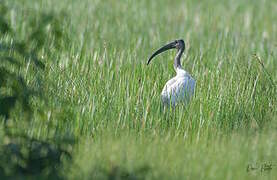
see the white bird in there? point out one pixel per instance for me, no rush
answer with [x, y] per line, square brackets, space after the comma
[181, 87]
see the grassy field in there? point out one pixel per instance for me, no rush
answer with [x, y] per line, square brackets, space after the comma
[98, 101]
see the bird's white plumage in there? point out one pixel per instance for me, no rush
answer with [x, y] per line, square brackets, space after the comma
[178, 89]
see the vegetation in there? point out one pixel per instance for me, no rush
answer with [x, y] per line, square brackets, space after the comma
[77, 100]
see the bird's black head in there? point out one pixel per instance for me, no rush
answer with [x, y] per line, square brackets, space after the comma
[177, 44]
[180, 44]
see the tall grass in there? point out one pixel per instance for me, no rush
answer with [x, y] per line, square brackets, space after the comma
[99, 90]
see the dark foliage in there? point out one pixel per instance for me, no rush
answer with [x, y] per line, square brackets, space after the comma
[121, 173]
[21, 155]
[24, 156]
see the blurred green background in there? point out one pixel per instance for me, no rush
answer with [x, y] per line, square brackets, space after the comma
[77, 100]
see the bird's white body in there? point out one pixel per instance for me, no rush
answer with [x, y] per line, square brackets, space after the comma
[178, 89]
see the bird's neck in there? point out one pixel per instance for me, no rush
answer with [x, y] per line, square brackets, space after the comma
[180, 72]
[177, 60]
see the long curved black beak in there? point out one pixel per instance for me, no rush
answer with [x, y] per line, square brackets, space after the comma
[162, 49]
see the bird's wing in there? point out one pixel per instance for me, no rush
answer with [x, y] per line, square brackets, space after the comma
[185, 87]
[178, 88]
